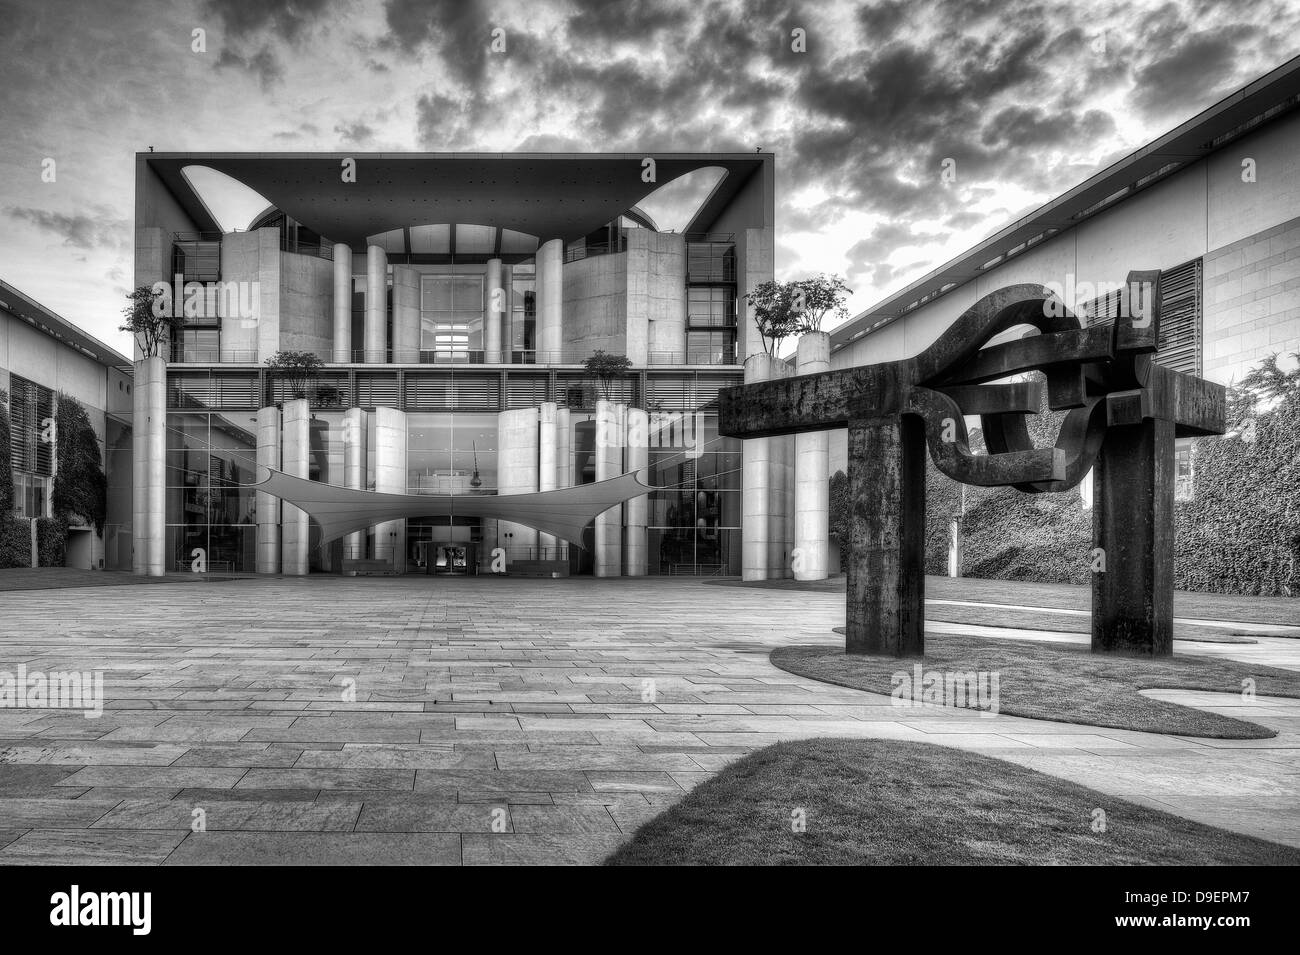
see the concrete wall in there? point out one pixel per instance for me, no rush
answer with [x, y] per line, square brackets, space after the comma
[30, 353]
[306, 304]
[630, 303]
[1252, 301]
[254, 257]
[596, 305]
[656, 306]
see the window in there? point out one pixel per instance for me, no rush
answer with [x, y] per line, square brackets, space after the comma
[197, 345]
[451, 316]
[1179, 344]
[31, 414]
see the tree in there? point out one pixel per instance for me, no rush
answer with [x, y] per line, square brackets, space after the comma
[775, 313]
[80, 486]
[606, 369]
[295, 368]
[152, 319]
[817, 297]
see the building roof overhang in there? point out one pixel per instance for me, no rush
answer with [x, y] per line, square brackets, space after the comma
[547, 195]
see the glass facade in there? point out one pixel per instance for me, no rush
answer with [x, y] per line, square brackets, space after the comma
[451, 315]
[211, 458]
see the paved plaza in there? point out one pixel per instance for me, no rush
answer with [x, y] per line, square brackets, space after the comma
[485, 720]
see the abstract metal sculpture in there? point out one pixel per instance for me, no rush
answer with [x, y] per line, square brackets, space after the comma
[562, 513]
[1123, 413]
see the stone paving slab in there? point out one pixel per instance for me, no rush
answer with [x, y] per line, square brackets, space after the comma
[500, 721]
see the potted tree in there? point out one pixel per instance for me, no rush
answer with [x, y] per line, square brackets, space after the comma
[295, 369]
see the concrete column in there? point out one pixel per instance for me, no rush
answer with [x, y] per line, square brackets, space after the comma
[638, 508]
[354, 473]
[610, 422]
[390, 478]
[406, 315]
[139, 468]
[563, 448]
[268, 505]
[376, 337]
[295, 448]
[156, 475]
[764, 489]
[516, 473]
[550, 300]
[546, 464]
[149, 467]
[812, 473]
[342, 302]
[495, 314]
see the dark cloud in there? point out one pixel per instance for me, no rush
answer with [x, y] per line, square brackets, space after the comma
[287, 19]
[1196, 70]
[262, 65]
[354, 133]
[97, 230]
[301, 130]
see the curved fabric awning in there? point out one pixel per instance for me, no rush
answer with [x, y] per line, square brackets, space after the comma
[562, 513]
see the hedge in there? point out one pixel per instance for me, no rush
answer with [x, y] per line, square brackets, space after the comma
[51, 541]
[15, 542]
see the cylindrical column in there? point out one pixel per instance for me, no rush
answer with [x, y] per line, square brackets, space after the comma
[546, 466]
[390, 478]
[638, 508]
[354, 473]
[755, 486]
[609, 464]
[550, 301]
[406, 315]
[156, 476]
[139, 468]
[342, 302]
[376, 337]
[268, 505]
[295, 445]
[812, 474]
[494, 314]
[563, 448]
[517, 474]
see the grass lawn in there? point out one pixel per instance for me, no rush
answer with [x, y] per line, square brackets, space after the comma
[1064, 682]
[886, 802]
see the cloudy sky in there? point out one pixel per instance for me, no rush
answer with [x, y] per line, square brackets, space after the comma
[1029, 97]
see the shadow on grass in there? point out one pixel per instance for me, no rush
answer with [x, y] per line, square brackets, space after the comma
[887, 802]
[1063, 682]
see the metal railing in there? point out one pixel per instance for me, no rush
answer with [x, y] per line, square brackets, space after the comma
[595, 248]
[215, 355]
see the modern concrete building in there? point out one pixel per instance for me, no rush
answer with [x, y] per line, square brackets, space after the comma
[452, 300]
[1214, 203]
[42, 356]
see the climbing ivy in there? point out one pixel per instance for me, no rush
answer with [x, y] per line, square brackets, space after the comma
[80, 487]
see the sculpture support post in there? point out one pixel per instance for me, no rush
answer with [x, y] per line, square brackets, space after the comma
[1133, 525]
[886, 568]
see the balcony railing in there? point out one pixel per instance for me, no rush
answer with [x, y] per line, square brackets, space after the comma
[595, 248]
[219, 356]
